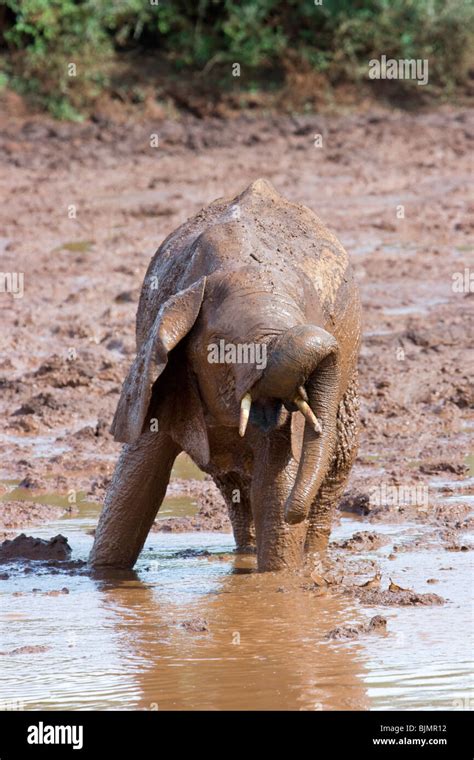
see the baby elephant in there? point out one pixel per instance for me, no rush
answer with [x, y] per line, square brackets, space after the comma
[248, 332]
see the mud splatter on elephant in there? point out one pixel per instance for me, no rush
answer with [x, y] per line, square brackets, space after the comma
[248, 331]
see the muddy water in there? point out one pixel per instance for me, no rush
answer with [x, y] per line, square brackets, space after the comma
[201, 630]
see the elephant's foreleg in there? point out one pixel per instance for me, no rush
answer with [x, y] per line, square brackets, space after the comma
[133, 499]
[322, 509]
[236, 492]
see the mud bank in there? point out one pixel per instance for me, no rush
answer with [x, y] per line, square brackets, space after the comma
[67, 343]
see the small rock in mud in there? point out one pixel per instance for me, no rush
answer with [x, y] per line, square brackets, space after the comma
[26, 650]
[431, 468]
[188, 553]
[34, 483]
[343, 633]
[37, 404]
[432, 580]
[70, 567]
[377, 624]
[126, 296]
[62, 374]
[28, 547]
[57, 592]
[101, 428]
[361, 541]
[85, 432]
[356, 502]
[196, 625]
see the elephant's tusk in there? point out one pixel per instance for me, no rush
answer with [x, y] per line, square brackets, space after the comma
[245, 405]
[302, 392]
[308, 414]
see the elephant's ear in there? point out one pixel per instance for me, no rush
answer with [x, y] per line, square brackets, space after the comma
[173, 322]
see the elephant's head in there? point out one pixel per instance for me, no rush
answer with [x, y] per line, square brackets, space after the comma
[294, 367]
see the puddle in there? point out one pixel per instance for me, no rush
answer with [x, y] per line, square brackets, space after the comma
[458, 499]
[194, 627]
[449, 484]
[75, 246]
[185, 468]
[121, 644]
[38, 446]
[418, 308]
[377, 333]
[86, 512]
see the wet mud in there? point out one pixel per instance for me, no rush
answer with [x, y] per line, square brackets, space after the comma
[377, 624]
[27, 547]
[192, 606]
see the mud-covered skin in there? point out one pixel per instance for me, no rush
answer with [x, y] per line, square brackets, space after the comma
[254, 270]
[321, 513]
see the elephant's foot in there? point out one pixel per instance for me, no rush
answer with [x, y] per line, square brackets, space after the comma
[246, 549]
[244, 531]
[280, 547]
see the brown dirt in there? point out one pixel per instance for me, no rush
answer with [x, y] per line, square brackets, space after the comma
[28, 547]
[361, 541]
[67, 344]
[403, 598]
[195, 625]
[377, 624]
[14, 514]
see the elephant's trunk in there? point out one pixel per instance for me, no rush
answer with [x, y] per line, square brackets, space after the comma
[307, 356]
[318, 448]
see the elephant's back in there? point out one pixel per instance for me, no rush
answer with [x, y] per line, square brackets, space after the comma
[259, 226]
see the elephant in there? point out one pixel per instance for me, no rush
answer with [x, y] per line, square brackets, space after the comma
[248, 333]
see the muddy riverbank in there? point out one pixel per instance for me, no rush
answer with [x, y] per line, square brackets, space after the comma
[85, 208]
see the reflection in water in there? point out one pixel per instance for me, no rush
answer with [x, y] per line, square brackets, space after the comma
[263, 649]
[118, 641]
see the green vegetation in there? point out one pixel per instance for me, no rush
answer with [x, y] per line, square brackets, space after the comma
[39, 38]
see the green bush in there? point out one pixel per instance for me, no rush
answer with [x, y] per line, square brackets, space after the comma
[337, 38]
[47, 36]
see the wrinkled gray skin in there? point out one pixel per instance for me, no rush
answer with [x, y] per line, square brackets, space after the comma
[256, 269]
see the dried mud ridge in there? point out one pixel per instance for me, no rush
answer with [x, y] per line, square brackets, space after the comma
[67, 344]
